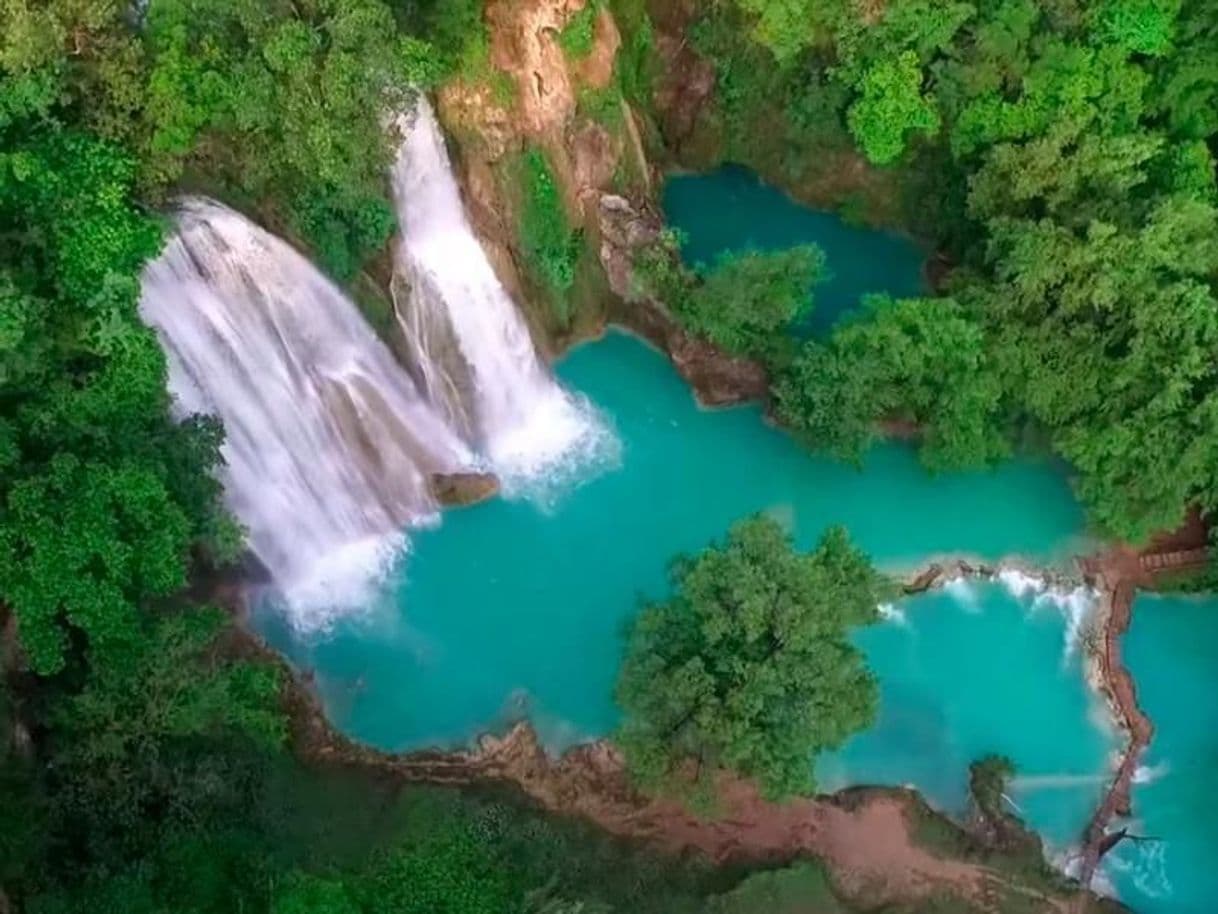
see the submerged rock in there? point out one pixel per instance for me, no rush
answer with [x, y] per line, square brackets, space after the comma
[460, 490]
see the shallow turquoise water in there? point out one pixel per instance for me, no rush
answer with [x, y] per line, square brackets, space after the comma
[731, 209]
[980, 669]
[510, 609]
[1172, 651]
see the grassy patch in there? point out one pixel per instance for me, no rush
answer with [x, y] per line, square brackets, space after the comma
[503, 89]
[340, 820]
[802, 888]
[939, 835]
[635, 59]
[579, 34]
[552, 247]
[603, 106]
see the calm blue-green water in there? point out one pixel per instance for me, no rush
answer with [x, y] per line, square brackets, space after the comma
[1172, 651]
[509, 609]
[978, 669]
[731, 209]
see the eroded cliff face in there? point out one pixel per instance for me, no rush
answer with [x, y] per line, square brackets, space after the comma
[537, 96]
[530, 100]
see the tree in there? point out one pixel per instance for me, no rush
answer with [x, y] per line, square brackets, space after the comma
[1138, 26]
[1080, 185]
[923, 360]
[1187, 84]
[127, 743]
[101, 494]
[747, 299]
[448, 872]
[286, 99]
[890, 108]
[786, 27]
[303, 893]
[748, 666]
[746, 302]
[552, 245]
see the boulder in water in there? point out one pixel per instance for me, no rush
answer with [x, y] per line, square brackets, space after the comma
[460, 490]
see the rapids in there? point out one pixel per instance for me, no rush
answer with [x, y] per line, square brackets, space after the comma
[329, 446]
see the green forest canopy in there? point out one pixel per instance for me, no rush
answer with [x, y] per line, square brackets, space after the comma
[1061, 156]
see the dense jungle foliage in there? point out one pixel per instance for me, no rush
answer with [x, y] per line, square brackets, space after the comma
[1059, 154]
[143, 759]
[748, 666]
[1059, 157]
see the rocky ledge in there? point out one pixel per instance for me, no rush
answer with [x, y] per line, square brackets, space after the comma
[460, 490]
[882, 846]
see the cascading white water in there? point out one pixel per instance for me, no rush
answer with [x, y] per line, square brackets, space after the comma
[471, 351]
[1076, 604]
[329, 445]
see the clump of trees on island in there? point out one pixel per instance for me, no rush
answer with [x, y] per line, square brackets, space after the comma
[748, 667]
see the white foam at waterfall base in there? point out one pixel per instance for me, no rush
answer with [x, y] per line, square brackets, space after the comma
[329, 447]
[890, 612]
[348, 578]
[1075, 604]
[538, 438]
[1020, 583]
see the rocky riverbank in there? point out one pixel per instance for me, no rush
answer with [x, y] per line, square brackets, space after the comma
[1118, 574]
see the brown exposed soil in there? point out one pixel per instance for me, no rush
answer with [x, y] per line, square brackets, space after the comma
[524, 45]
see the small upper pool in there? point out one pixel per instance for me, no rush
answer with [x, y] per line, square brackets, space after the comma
[731, 209]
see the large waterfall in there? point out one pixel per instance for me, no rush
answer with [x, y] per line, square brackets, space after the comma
[329, 447]
[467, 344]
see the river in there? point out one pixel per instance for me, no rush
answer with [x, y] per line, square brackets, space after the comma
[516, 608]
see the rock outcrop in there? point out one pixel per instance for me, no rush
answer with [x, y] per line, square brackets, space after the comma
[588, 158]
[717, 378]
[460, 490]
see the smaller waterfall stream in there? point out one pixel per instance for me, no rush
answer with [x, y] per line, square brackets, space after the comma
[329, 446]
[470, 350]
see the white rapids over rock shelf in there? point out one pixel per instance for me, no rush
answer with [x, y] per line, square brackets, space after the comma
[466, 342]
[329, 445]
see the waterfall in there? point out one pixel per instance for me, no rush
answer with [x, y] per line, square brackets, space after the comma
[329, 445]
[468, 347]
